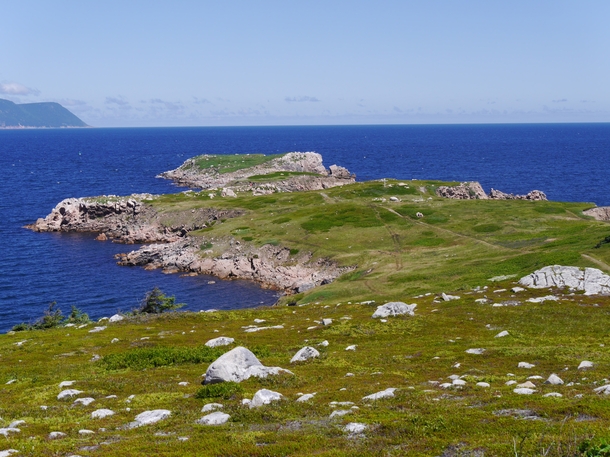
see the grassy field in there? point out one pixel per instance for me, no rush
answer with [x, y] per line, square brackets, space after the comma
[456, 248]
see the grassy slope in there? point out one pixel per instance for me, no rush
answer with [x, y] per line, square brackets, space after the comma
[456, 245]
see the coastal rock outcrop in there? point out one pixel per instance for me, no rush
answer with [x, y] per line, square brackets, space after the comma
[269, 265]
[316, 176]
[600, 213]
[124, 219]
[472, 190]
[590, 280]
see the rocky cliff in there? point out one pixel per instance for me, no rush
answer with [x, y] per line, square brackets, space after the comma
[472, 190]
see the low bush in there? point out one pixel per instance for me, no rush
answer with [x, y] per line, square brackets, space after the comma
[225, 390]
[160, 356]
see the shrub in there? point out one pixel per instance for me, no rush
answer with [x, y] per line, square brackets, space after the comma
[160, 356]
[224, 390]
[156, 302]
[53, 318]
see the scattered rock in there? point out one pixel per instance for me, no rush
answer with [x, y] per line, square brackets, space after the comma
[8, 452]
[340, 413]
[553, 394]
[264, 397]
[149, 417]
[354, 428]
[527, 385]
[305, 397]
[238, 365]
[86, 432]
[554, 380]
[483, 384]
[220, 341]
[585, 364]
[56, 435]
[387, 393]
[542, 299]
[501, 334]
[101, 413]
[524, 391]
[446, 297]
[215, 418]
[327, 321]
[84, 401]
[304, 354]
[116, 318]
[603, 389]
[517, 289]
[394, 309]
[8, 430]
[97, 329]
[518, 413]
[525, 365]
[65, 394]
[351, 348]
[211, 407]
[324, 343]
[476, 351]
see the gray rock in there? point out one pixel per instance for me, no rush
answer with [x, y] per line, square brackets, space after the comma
[524, 391]
[525, 365]
[395, 308]
[102, 413]
[84, 401]
[502, 334]
[305, 397]
[475, 351]
[215, 418]
[238, 365]
[304, 354]
[211, 407]
[65, 394]
[8, 430]
[590, 280]
[447, 297]
[603, 389]
[264, 397]
[340, 413]
[66, 384]
[116, 318]
[220, 341]
[8, 452]
[150, 417]
[354, 428]
[554, 380]
[56, 435]
[585, 364]
[387, 393]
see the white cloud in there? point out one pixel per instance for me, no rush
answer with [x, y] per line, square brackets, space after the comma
[17, 89]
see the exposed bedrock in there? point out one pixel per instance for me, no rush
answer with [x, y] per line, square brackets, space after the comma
[123, 219]
[271, 266]
[601, 213]
[472, 190]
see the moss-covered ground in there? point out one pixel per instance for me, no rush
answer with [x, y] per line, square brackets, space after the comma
[456, 247]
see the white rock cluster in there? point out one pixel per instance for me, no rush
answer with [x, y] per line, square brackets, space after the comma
[590, 280]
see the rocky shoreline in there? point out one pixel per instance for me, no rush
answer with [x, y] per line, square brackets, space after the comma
[472, 190]
[168, 245]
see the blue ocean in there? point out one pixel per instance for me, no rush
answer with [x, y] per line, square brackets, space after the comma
[569, 162]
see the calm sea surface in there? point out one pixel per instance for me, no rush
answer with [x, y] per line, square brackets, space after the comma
[569, 162]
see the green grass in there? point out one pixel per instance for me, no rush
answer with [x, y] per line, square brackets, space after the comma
[455, 247]
[230, 163]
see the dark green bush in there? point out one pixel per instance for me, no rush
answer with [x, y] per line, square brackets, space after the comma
[160, 356]
[225, 390]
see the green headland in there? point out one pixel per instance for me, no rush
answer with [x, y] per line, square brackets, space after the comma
[458, 365]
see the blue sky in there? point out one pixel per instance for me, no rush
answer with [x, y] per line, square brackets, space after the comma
[180, 63]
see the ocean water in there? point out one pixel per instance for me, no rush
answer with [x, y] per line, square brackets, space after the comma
[570, 162]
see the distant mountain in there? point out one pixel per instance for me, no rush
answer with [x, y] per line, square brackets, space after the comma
[49, 115]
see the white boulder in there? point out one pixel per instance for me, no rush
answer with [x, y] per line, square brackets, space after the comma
[585, 364]
[305, 397]
[116, 318]
[524, 391]
[150, 417]
[211, 407]
[525, 365]
[475, 351]
[220, 341]
[554, 380]
[501, 334]
[264, 397]
[238, 365]
[354, 428]
[304, 354]
[65, 394]
[388, 393]
[395, 308]
[102, 413]
[215, 418]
